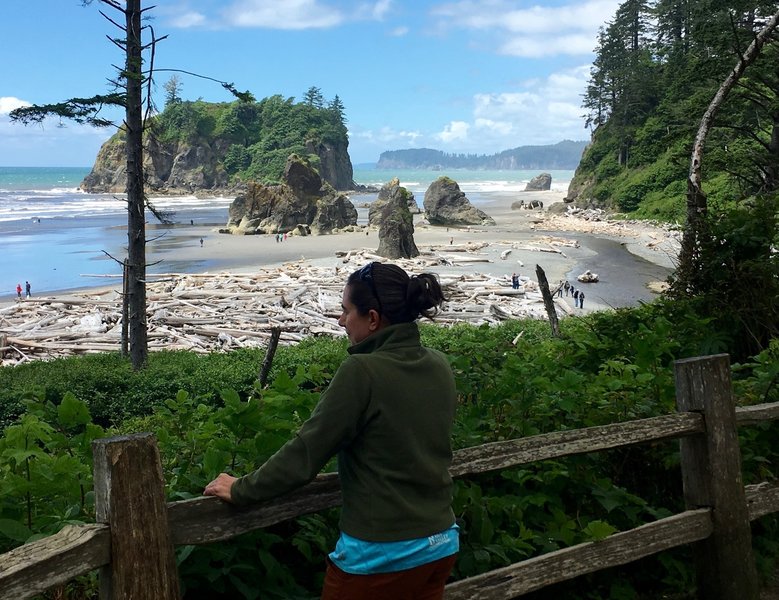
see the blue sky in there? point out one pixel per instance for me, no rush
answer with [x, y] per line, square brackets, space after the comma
[473, 76]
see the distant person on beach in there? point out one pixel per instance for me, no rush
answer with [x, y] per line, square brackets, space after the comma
[387, 414]
[581, 299]
[27, 288]
[566, 287]
[560, 291]
[201, 242]
[192, 221]
[514, 281]
[576, 299]
[19, 290]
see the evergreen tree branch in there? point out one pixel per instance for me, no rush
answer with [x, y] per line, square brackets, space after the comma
[80, 110]
[246, 96]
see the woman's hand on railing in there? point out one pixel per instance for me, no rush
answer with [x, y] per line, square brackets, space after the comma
[220, 487]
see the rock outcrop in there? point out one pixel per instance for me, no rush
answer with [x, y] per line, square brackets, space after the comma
[539, 183]
[396, 227]
[183, 168]
[387, 193]
[302, 203]
[445, 204]
[335, 166]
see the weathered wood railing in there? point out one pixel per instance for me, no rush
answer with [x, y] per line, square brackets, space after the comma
[136, 531]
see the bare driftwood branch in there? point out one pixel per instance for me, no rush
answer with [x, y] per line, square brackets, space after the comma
[269, 354]
[548, 301]
[220, 311]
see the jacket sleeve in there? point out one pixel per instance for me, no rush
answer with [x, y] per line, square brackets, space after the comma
[335, 422]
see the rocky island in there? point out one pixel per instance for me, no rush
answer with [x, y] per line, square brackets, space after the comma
[205, 148]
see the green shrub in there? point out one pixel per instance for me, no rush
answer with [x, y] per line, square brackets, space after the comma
[513, 380]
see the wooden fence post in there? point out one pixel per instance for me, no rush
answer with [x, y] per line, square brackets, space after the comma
[130, 499]
[711, 473]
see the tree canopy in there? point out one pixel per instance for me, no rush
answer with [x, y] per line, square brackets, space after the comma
[658, 64]
[258, 136]
[665, 71]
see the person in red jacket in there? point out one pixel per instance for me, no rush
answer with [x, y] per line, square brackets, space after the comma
[387, 414]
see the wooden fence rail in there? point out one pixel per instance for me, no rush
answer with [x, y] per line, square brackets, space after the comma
[138, 531]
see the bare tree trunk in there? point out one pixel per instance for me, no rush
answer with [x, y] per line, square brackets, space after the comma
[697, 206]
[136, 218]
[275, 334]
[125, 310]
[548, 301]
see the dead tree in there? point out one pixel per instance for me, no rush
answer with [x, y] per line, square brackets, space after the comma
[543, 285]
[697, 206]
[136, 217]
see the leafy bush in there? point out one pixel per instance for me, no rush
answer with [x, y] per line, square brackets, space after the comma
[513, 380]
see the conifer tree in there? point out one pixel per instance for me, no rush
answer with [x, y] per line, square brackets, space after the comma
[128, 94]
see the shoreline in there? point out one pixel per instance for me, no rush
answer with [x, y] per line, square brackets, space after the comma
[529, 236]
[254, 283]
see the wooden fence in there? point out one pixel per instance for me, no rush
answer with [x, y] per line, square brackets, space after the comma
[136, 530]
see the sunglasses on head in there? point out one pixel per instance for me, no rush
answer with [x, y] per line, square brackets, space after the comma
[366, 274]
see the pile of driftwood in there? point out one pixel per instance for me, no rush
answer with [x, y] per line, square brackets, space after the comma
[221, 311]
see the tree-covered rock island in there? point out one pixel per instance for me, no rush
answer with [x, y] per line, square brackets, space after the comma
[198, 146]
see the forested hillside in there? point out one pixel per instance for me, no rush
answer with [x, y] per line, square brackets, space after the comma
[659, 63]
[659, 67]
[205, 145]
[563, 155]
[259, 136]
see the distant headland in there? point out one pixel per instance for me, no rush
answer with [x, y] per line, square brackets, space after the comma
[563, 155]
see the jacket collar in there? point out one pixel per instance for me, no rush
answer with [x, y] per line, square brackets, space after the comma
[392, 336]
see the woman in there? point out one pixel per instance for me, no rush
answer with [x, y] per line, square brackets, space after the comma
[388, 415]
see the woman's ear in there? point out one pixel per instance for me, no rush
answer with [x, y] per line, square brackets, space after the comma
[374, 322]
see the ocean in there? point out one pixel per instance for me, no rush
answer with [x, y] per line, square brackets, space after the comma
[57, 237]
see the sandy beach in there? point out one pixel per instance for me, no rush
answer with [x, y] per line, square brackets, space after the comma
[255, 283]
[631, 259]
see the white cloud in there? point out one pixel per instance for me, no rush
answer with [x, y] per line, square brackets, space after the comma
[274, 14]
[546, 111]
[290, 14]
[455, 130]
[380, 9]
[498, 127]
[530, 32]
[399, 31]
[541, 111]
[188, 19]
[9, 103]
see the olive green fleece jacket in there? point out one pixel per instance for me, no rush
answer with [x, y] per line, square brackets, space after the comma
[388, 414]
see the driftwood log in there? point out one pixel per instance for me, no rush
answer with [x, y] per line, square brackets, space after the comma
[222, 311]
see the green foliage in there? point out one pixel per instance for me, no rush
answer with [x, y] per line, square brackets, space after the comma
[657, 68]
[237, 158]
[46, 468]
[737, 277]
[255, 138]
[513, 380]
